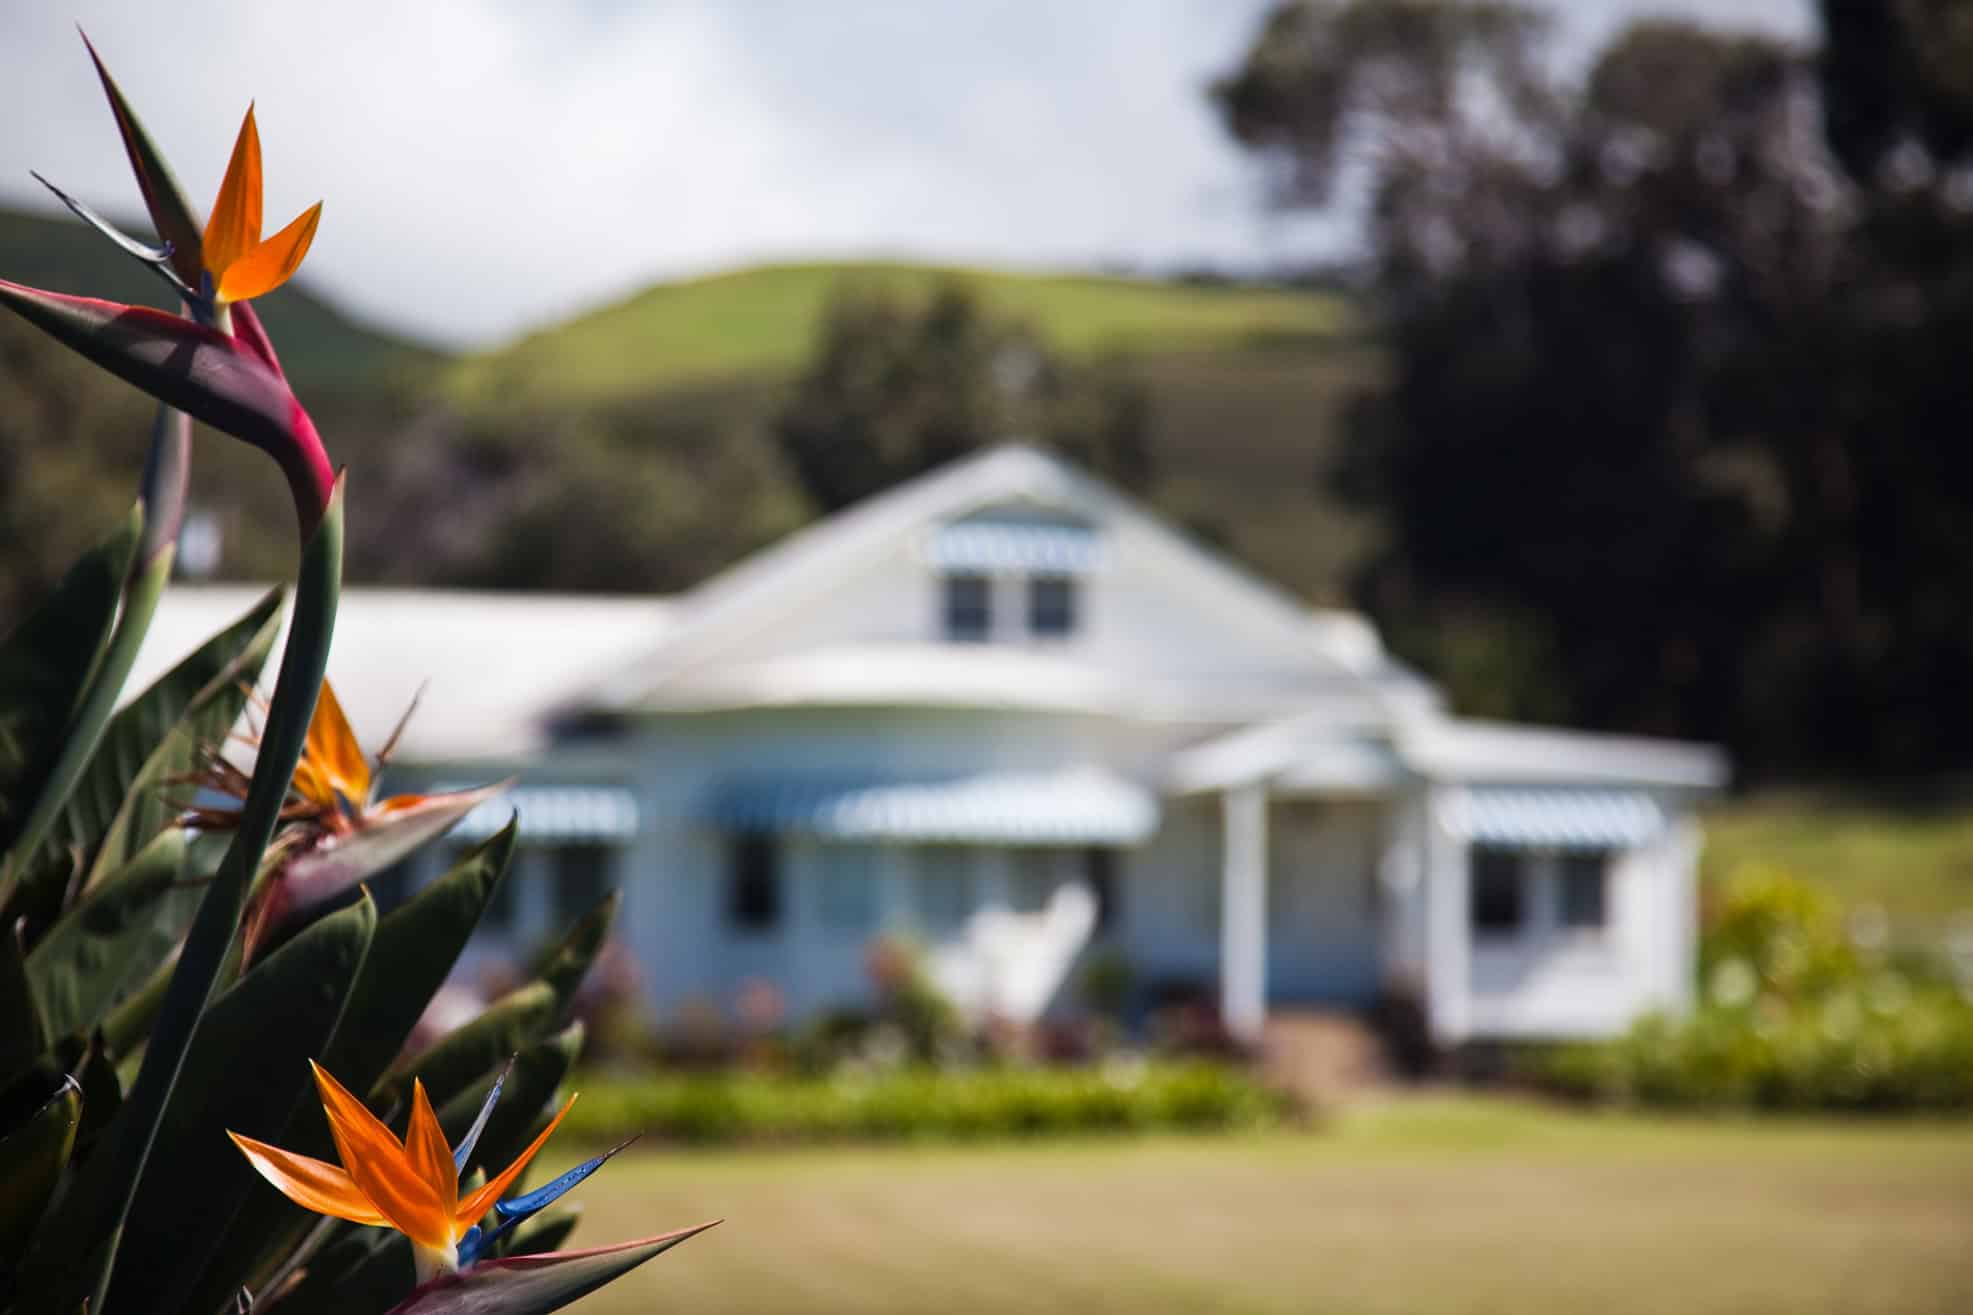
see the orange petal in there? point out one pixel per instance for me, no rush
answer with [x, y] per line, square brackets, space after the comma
[482, 1201]
[311, 785]
[273, 262]
[234, 227]
[379, 1167]
[425, 1148]
[333, 750]
[310, 1183]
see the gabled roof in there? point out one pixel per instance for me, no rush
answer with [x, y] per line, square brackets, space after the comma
[975, 676]
[1326, 747]
[715, 620]
[490, 664]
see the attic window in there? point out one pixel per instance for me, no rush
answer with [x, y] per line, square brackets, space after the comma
[968, 607]
[1051, 606]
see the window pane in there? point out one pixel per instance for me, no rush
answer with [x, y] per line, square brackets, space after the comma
[968, 607]
[753, 890]
[582, 878]
[942, 888]
[846, 888]
[1498, 896]
[1051, 605]
[1032, 882]
[1584, 889]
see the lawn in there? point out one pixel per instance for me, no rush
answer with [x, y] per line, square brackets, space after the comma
[1911, 857]
[1423, 1205]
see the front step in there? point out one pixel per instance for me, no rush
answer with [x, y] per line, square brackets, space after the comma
[1322, 1056]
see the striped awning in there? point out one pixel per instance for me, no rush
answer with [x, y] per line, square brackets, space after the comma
[557, 814]
[1531, 818]
[992, 545]
[1087, 807]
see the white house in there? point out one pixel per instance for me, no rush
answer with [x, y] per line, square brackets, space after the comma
[1010, 712]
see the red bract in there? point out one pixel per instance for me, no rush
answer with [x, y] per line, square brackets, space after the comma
[232, 383]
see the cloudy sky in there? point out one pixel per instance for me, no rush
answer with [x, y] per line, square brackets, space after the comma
[490, 165]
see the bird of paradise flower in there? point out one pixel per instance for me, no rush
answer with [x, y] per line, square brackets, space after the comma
[340, 832]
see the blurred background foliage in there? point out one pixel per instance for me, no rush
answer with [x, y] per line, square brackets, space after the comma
[1641, 408]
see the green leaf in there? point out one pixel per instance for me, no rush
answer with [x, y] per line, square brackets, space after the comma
[510, 1023]
[75, 1246]
[247, 1072]
[45, 666]
[102, 1093]
[568, 963]
[141, 593]
[126, 1026]
[538, 1073]
[331, 1252]
[412, 953]
[23, 1025]
[112, 939]
[534, 1285]
[417, 945]
[32, 1157]
[155, 736]
[358, 1276]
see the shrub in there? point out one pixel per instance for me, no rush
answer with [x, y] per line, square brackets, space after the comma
[924, 1103]
[1792, 1017]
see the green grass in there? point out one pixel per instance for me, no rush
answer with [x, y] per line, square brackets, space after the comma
[761, 321]
[1914, 859]
[1446, 1206]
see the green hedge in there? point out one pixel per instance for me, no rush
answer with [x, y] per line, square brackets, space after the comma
[1794, 1016]
[1917, 1057]
[921, 1103]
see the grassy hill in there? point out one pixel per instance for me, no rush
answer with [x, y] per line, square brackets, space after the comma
[1245, 382]
[634, 442]
[761, 320]
[321, 347]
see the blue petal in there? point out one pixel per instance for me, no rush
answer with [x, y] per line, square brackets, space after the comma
[521, 1207]
[471, 1245]
[464, 1150]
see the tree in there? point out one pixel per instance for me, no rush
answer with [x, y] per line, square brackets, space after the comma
[1676, 414]
[897, 386]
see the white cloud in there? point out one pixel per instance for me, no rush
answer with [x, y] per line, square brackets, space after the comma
[487, 165]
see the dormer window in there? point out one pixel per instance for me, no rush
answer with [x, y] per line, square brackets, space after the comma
[1051, 606]
[968, 607]
[1012, 573]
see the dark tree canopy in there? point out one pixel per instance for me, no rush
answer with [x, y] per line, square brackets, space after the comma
[897, 386]
[1674, 435]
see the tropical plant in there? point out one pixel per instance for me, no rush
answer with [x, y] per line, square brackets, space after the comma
[159, 995]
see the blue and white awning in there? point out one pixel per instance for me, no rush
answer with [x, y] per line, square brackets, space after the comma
[1086, 807]
[557, 814]
[990, 546]
[1531, 818]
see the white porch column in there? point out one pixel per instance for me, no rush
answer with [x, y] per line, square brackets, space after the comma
[1243, 913]
[1448, 920]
